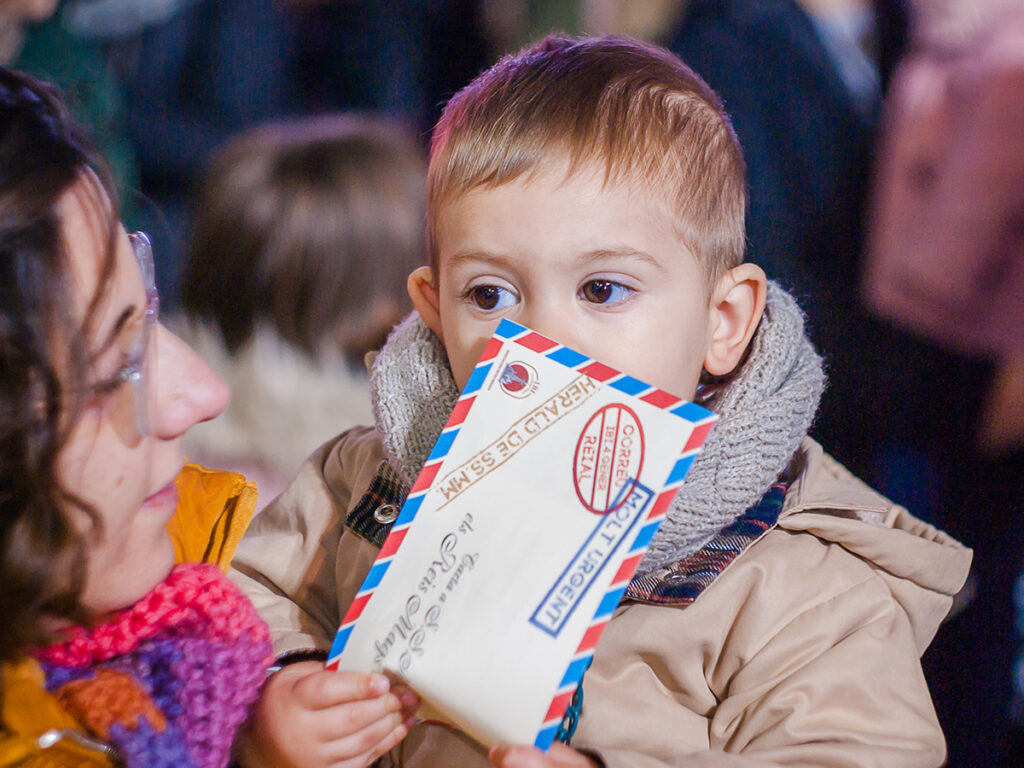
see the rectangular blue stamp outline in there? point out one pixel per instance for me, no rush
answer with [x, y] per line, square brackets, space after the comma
[555, 630]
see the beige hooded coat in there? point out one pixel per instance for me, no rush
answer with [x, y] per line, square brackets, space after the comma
[803, 652]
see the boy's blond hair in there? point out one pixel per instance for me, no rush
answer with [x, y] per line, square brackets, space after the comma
[632, 107]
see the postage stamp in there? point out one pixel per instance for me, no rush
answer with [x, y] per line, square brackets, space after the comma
[609, 457]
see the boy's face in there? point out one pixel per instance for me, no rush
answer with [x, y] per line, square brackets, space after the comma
[596, 267]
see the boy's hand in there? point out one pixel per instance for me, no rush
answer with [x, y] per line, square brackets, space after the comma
[309, 717]
[559, 756]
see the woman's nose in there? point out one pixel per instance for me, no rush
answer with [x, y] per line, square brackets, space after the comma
[186, 390]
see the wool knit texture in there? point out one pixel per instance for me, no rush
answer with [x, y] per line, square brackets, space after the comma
[168, 681]
[765, 410]
[412, 392]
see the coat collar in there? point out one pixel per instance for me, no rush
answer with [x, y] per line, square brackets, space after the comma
[214, 509]
[681, 582]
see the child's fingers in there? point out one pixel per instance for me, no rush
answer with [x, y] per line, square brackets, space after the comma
[410, 701]
[343, 721]
[569, 757]
[560, 756]
[328, 689]
[359, 719]
[505, 756]
[393, 739]
[366, 745]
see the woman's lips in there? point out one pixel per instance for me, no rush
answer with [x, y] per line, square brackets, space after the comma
[166, 496]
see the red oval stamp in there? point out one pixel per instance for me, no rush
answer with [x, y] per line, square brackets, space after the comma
[518, 379]
[609, 457]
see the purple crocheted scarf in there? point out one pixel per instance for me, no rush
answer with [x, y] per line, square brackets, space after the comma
[168, 681]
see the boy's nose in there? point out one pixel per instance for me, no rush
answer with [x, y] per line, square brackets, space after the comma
[552, 322]
[186, 390]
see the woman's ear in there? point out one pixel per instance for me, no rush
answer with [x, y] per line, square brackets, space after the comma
[737, 304]
[423, 292]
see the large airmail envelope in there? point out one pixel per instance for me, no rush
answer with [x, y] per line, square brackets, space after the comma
[520, 536]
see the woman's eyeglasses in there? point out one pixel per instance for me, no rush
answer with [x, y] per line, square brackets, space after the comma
[136, 366]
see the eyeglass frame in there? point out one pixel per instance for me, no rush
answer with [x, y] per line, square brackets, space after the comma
[135, 369]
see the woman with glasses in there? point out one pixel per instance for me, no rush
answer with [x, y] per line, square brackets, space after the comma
[121, 641]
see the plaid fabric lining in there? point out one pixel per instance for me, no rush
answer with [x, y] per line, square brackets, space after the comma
[683, 582]
[386, 489]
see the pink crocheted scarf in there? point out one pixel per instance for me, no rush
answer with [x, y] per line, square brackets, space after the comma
[168, 681]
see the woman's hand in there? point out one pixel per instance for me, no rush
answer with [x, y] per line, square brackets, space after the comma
[308, 717]
[559, 756]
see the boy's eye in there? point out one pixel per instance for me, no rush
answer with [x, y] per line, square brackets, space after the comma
[604, 292]
[491, 297]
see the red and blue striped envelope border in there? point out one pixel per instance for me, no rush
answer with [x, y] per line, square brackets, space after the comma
[701, 419]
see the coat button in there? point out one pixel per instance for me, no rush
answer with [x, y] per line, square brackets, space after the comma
[385, 513]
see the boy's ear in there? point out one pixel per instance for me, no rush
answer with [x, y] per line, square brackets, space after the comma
[423, 293]
[736, 307]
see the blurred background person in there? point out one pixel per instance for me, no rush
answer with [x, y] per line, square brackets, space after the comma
[14, 15]
[304, 234]
[36, 39]
[219, 67]
[946, 260]
[805, 83]
[164, 83]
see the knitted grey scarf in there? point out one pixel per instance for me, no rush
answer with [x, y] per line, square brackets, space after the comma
[764, 412]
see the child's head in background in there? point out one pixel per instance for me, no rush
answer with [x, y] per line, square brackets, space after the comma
[592, 190]
[309, 226]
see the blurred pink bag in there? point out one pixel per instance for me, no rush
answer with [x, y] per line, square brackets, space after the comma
[946, 243]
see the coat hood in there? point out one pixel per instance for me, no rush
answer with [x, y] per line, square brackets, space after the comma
[922, 566]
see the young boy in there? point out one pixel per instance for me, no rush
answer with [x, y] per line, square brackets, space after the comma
[593, 190]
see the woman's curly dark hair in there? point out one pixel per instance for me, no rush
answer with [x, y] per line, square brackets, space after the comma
[43, 358]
